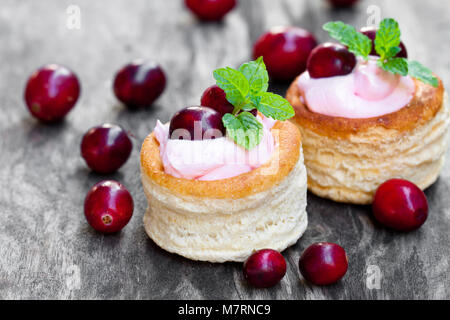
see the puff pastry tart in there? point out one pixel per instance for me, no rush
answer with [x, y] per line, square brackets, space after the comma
[219, 199]
[367, 125]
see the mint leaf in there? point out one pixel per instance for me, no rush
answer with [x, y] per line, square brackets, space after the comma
[356, 42]
[387, 40]
[339, 31]
[244, 129]
[235, 85]
[395, 66]
[257, 76]
[387, 46]
[392, 52]
[422, 73]
[273, 106]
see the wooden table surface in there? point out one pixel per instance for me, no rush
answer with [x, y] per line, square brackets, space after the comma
[47, 249]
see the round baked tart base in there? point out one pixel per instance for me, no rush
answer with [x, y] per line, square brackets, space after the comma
[227, 220]
[348, 159]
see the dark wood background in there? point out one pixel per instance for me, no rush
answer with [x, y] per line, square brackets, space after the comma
[47, 250]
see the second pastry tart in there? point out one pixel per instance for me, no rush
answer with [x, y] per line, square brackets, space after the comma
[219, 197]
[366, 118]
[347, 159]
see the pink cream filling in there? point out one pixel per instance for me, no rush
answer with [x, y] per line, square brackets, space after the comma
[214, 159]
[367, 92]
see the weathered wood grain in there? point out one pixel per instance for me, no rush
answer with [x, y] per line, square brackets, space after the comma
[47, 250]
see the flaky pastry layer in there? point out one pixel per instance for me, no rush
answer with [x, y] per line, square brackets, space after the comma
[226, 220]
[219, 230]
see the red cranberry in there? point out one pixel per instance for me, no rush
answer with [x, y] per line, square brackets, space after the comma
[51, 92]
[400, 205]
[371, 33]
[285, 51]
[210, 10]
[343, 3]
[139, 84]
[215, 98]
[106, 148]
[196, 123]
[108, 206]
[265, 268]
[330, 60]
[323, 263]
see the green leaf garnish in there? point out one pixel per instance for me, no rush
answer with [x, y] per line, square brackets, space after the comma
[387, 46]
[396, 66]
[246, 90]
[387, 40]
[234, 84]
[422, 73]
[356, 42]
[244, 129]
[273, 106]
[257, 75]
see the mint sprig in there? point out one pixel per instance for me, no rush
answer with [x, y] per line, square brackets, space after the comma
[387, 40]
[246, 89]
[244, 129]
[257, 76]
[387, 46]
[356, 42]
[235, 85]
[395, 66]
[422, 73]
[270, 105]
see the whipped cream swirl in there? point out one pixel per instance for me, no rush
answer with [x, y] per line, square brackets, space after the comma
[213, 159]
[367, 92]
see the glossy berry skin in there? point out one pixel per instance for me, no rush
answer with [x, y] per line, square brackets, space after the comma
[215, 98]
[330, 60]
[343, 3]
[285, 51]
[106, 148]
[108, 206]
[198, 123]
[210, 10]
[139, 84]
[265, 268]
[400, 205]
[323, 263]
[371, 33]
[51, 92]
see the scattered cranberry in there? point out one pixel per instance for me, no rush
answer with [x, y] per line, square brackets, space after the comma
[343, 3]
[400, 205]
[323, 263]
[106, 148]
[196, 123]
[108, 206]
[330, 60]
[139, 84]
[210, 10]
[265, 268]
[285, 51]
[51, 92]
[371, 32]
